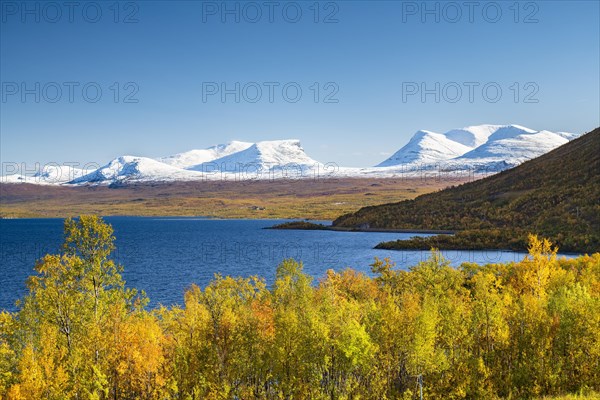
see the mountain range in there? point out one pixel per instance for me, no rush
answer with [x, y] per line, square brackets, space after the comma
[555, 195]
[511, 144]
[480, 149]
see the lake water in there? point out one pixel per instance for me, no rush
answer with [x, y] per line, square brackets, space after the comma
[163, 256]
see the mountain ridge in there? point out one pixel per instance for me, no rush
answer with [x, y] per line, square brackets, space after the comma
[265, 154]
[478, 143]
[478, 149]
[556, 195]
[191, 158]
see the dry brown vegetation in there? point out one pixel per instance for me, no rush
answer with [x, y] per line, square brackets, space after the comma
[313, 199]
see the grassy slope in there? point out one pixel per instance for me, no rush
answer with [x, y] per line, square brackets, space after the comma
[556, 195]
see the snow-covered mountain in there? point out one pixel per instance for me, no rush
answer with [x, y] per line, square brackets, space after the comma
[237, 161]
[426, 147]
[192, 158]
[262, 156]
[472, 136]
[489, 147]
[514, 146]
[478, 149]
[139, 169]
[48, 175]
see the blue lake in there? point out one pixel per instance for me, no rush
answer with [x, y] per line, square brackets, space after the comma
[164, 256]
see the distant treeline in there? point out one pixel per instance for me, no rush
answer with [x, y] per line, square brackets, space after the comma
[300, 225]
[489, 239]
[517, 330]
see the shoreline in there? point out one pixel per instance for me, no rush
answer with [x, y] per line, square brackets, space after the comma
[162, 216]
[384, 230]
[307, 225]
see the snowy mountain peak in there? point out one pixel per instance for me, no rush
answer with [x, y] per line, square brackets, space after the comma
[421, 133]
[58, 173]
[192, 158]
[478, 144]
[426, 147]
[48, 174]
[510, 131]
[263, 155]
[126, 168]
[514, 145]
[472, 136]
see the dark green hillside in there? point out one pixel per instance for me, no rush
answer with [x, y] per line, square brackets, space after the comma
[556, 195]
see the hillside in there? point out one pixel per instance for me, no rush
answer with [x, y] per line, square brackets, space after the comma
[556, 195]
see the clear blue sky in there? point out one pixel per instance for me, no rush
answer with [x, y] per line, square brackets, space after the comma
[371, 52]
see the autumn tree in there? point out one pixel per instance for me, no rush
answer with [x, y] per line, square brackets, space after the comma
[68, 325]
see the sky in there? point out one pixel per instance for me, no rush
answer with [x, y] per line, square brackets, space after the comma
[353, 80]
